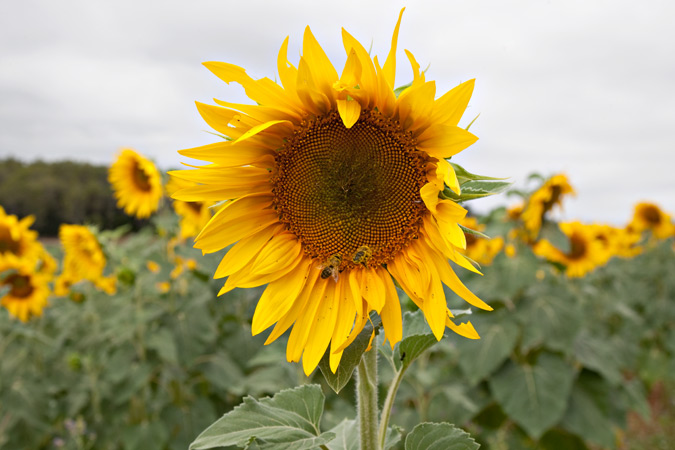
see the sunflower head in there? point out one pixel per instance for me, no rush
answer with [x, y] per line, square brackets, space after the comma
[16, 237]
[137, 184]
[550, 194]
[335, 174]
[585, 253]
[648, 216]
[27, 290]
[83, 259]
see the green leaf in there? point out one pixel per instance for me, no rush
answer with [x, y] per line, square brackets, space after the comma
[476, 189]
[163, 343]
[534, 396]
[439, 436]
[417, 337]
[289, 420]
[464, 175]
[347, 436]
[350, 358]
[590, 409]
[601, 355]
[560, 440]
[550, 320]
[498, 336]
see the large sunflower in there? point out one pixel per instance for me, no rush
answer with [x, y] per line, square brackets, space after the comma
[335, 185]
[28, 289]
[137, 184]
[542, 201]
[648, 216]
[585, 254]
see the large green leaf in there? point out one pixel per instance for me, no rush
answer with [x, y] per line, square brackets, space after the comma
[289, 420]
[590, 410]
[464, 175]
[603, 355]
[498, 336]
[549, 320]
[350, 358]
[535, 396]
[439, 436]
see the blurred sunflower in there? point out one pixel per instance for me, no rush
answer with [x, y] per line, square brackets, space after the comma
[137, 184]
[585, 254]
[478, 249]
[617, 241]
[194, 215]
[542, 201]
[648, 216]
[28, 290]
[16, 237]
[83, 259]
[336, 184]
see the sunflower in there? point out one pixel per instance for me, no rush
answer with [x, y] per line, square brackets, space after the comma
[83, 259]
[585, 254]
[335, 185]
[137, 184]
[16, 237]
[478, 249]
[194, 215]
[648, 216]
[622, 242]
[27, 289]
[542, 201]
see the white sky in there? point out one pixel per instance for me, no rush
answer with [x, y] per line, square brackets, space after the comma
[583, 87]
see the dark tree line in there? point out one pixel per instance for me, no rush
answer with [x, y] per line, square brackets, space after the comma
[59, 192]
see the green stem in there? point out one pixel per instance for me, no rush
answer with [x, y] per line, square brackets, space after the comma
[388, 404]
[367, 400]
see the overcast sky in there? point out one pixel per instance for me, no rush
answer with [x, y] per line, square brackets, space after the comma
[581, 87]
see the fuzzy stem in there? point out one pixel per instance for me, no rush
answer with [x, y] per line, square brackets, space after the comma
[367, 400]
[388, 403]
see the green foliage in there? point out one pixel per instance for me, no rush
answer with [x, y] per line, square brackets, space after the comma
[60, 192]
[439, 436]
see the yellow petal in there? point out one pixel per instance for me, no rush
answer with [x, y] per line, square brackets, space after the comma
[372, 289]
[389, 68]
[230, 154]
[238, 219]
[296, 308]
[286, 124]
[245, 279]
[392, 320]
[287, 72]
[443, 141]
[343, 323]
[463, 329]
[323, 72]
[322, 329]
[450, 107]
[302, 327]
[244, 251]
[276, 253]
[278, 297]
[350, 111]
[368, 81]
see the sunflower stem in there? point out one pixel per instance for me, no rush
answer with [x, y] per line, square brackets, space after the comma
[367, 400]
[388, 403]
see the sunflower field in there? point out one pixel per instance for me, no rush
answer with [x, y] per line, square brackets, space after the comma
[318, 281]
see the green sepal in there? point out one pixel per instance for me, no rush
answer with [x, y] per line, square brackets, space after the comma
[400, 89]
[478, 234]
[475, 189]
[464, 175]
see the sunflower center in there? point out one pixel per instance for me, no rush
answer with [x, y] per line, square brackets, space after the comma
[341, 190]
[651, 215]
[20, 284]
[7, 244]
[577, 247]
[141, 179]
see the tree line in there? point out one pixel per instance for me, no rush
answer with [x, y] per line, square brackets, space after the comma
[60, 192]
